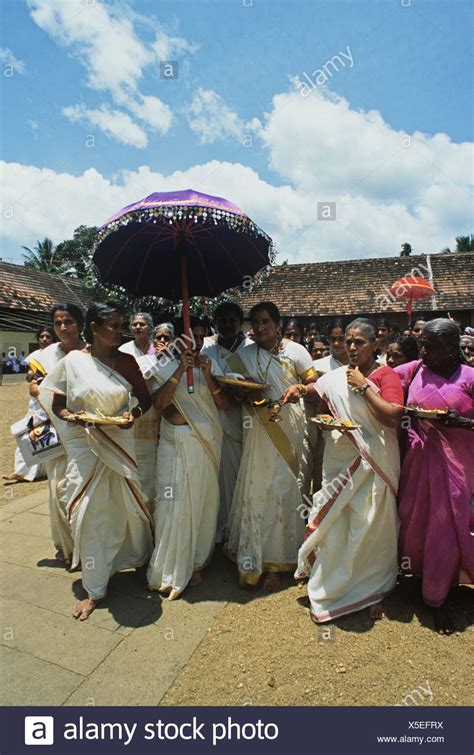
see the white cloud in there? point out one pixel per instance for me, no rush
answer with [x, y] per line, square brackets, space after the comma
[56, 203]
[167, 47]
[9, 60]
[114, 123]
[101, 36]
[389, 187]
[211, 118]
[320, 144]
[105, 39]
[152, 111]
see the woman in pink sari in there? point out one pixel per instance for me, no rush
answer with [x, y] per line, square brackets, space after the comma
[437, 478]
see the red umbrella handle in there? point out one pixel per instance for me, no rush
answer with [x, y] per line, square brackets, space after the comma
[186, 318]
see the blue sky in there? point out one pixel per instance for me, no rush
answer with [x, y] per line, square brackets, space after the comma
[236, 120]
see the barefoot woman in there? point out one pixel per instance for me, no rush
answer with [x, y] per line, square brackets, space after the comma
[437, 480]
[266, 522]
[350, 550]
[110, 524]
[187, 487]
[68, 322]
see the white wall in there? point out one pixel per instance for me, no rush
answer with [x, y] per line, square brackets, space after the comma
[18, 341]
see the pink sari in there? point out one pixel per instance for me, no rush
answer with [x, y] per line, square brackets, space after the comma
[437, 483]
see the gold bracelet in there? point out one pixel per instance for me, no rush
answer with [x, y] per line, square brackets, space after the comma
[174, 380]
[218, 390]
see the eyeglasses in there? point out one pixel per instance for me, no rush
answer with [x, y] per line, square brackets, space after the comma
[163, 337]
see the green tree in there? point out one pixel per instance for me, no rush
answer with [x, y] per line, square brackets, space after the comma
[45, 256]
[465, 243]
[406, 250]
[78, 250]
[78, 253]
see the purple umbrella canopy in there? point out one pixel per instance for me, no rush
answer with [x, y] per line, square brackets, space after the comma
[142, 246]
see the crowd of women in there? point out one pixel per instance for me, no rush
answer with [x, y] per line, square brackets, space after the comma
[342, 508]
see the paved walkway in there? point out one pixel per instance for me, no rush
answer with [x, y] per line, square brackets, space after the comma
[130, 650]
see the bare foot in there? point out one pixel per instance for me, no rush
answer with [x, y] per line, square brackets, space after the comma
[272, 581]
[13, 477]
[443, 621]
[196, 579]
[376, 611]
[84, 609]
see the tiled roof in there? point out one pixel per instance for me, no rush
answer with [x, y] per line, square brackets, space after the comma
[22, 288]
[362, 286]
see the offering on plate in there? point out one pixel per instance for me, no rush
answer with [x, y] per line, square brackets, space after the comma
[274, 407]
[239, 381]
[417, 411]
[101, 419]
[328, 422]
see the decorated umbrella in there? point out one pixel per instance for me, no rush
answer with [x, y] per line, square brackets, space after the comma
[410, 288]
[180, 244]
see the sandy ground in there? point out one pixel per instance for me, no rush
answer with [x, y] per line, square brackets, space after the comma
[13, 403]
[263, 649]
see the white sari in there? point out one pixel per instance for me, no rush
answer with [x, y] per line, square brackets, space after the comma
[231, 421]
[187, 487]
[350, 550]
[110, 523]
[29, 473]
[267, 518]
[146, 436]
[55, 469]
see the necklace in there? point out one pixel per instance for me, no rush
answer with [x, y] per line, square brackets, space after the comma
[111, 366]
[225, 347]
[263, 375]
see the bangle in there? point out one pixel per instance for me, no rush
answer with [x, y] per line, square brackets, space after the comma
[303, 389]
[174, 380]
[140, 410]
[218, 390]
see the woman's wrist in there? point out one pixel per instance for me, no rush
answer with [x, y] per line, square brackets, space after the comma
[66, 415]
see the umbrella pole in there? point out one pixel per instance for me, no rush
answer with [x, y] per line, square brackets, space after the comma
[186, 318]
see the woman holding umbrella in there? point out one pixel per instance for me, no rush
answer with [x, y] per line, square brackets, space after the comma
[187, 484]
[266, 523]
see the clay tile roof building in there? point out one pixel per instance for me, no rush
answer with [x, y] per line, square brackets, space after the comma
[322, 290]
[26, 296]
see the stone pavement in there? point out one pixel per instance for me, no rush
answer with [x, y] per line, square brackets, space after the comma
[128, 652]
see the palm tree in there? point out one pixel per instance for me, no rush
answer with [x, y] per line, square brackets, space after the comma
[465, 243]
[43, 257]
